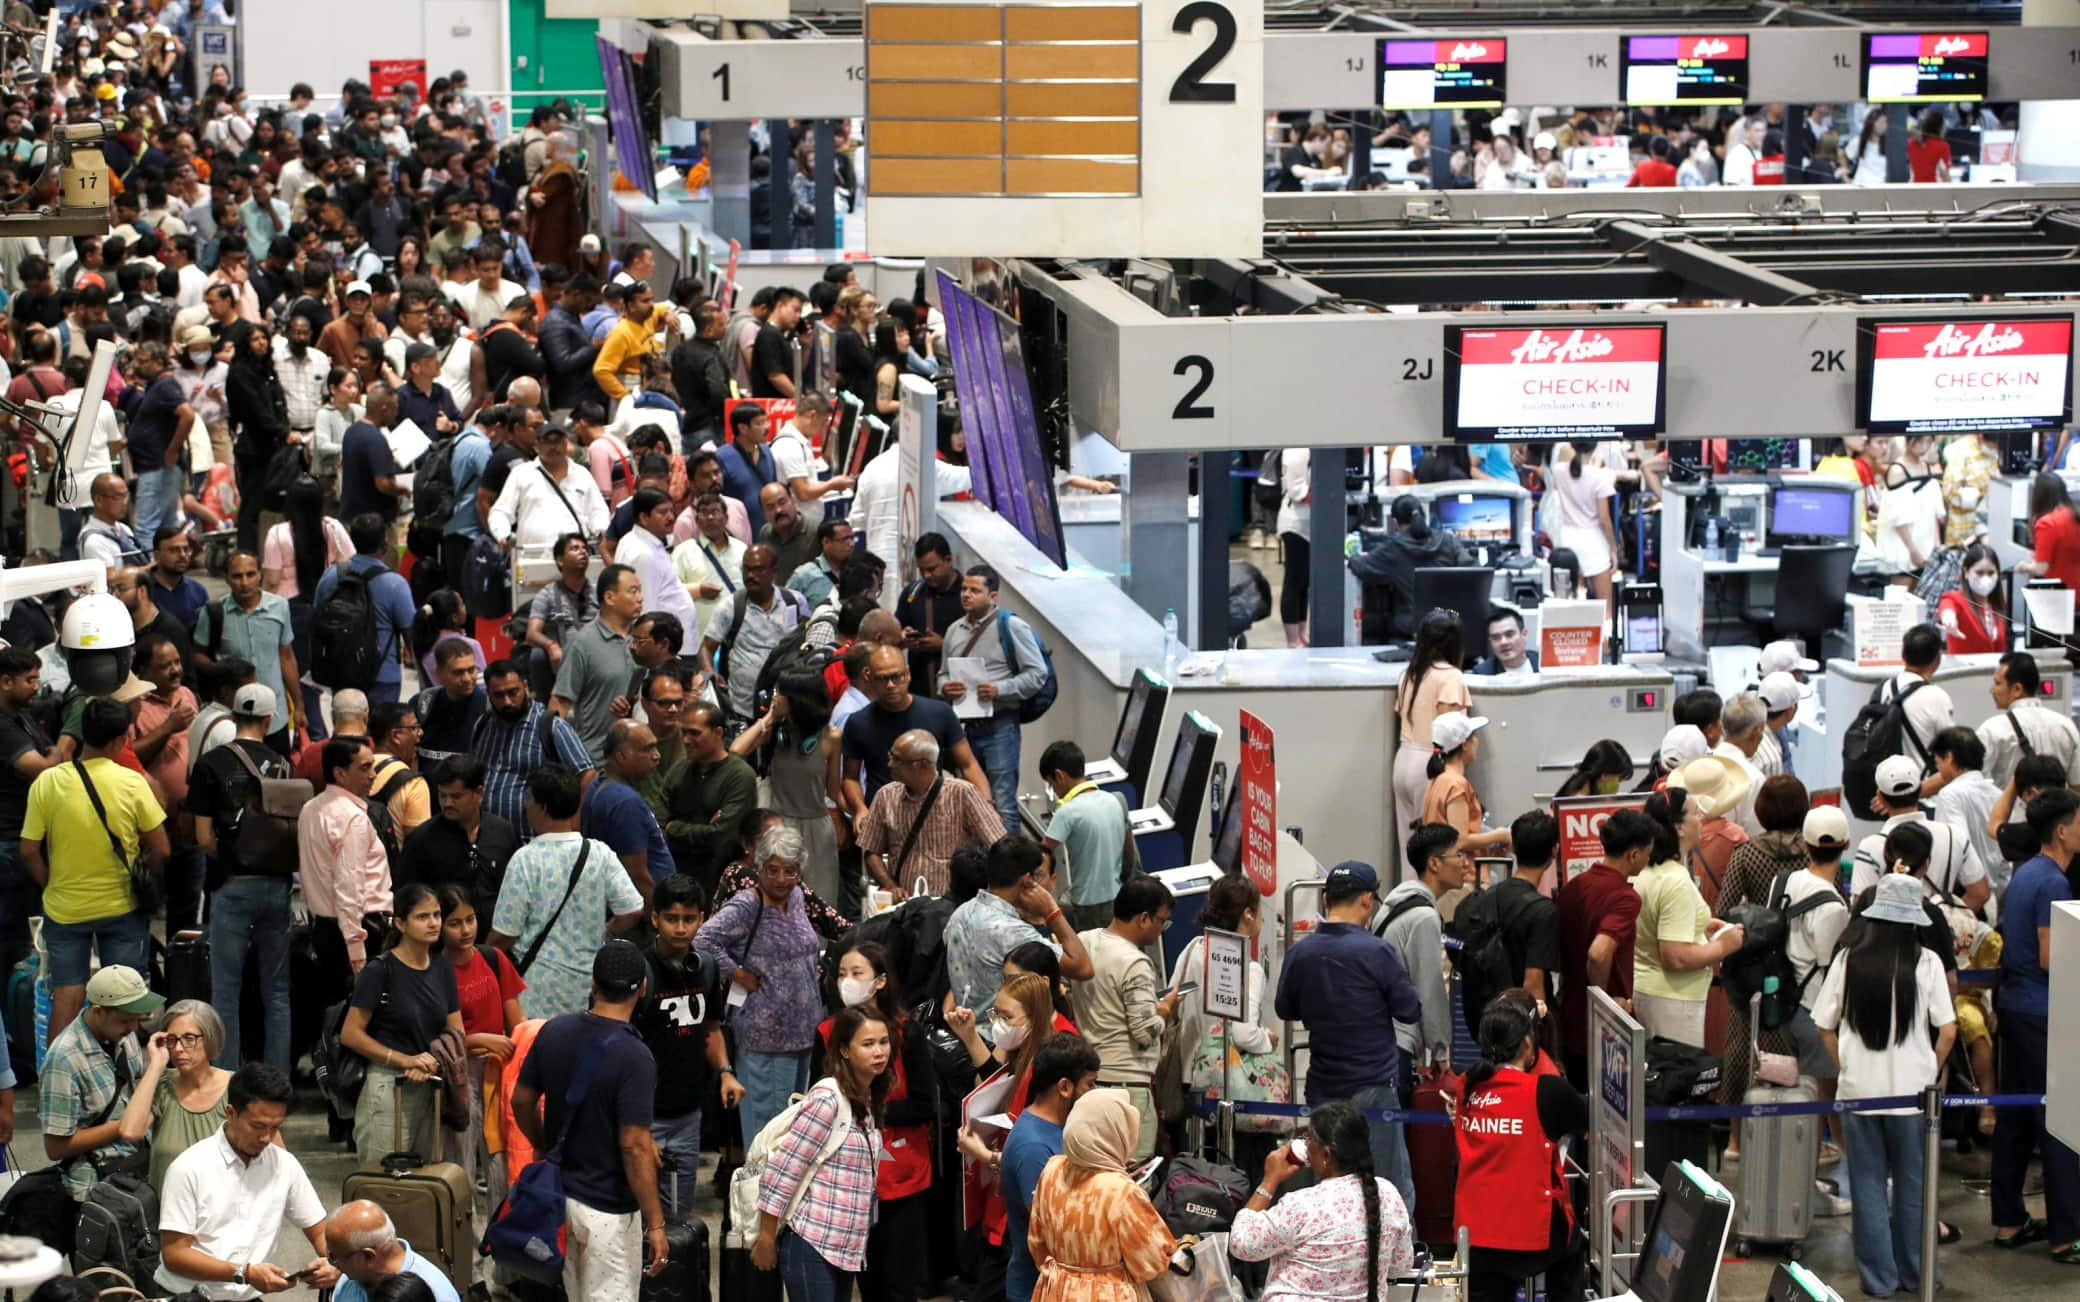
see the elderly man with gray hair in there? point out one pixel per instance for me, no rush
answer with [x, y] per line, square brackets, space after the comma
[363, 1244]
[349, 719]
[918, 821]
[765, 946]
[1743, 722]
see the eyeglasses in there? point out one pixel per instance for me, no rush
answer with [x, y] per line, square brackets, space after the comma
[189, 1041]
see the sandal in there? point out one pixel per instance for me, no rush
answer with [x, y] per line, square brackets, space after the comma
[2032, 1230]
[2068, 1255]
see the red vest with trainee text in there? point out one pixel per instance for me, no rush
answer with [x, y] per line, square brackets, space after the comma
[1509, 1172]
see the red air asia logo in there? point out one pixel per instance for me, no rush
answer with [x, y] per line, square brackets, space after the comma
[1952, 45]
[1578, 346]
[1941, 45]
[1984, 342]
[1711, 47]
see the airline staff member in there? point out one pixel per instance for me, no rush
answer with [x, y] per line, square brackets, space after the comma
[1514, 1110]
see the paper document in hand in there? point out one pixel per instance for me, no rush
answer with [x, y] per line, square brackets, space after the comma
[407, 443]
[971, 671]
[981, 1111]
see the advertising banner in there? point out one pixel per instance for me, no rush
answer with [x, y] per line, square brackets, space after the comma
[386, 75]
[1259, 804]
[1581, 818]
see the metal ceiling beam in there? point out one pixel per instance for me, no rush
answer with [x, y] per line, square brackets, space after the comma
[1260, 286]
[1679, 254]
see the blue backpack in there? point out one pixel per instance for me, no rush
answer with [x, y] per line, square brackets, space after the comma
[1041, 701]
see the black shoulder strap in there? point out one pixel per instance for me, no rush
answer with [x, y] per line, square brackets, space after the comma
[924, 811]
[2021, 737]
[114, 842]
[547, 737]
[1408, 903]
[1906, 722]
[583, 531]
[570, 889]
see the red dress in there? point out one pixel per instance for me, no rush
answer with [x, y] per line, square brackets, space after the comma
[1972, 636]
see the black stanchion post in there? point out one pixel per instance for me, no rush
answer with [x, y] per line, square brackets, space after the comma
[1931, 1175]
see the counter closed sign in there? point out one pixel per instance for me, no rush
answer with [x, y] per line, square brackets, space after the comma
[1227, 965]
[1931, 377]
[1553, 382]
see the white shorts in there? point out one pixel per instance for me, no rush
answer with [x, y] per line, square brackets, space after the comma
[1589, 548]
[603, 1259]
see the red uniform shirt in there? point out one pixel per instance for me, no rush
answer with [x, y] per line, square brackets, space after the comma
[1971, 637]
[2056, 539]
[1509, 1170]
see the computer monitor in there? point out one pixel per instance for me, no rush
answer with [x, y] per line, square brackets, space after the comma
[1805, 512]
[1140, 728]
[1679, 1258]
[1191, 764]
[1792, 1282]
[1227, 842]
[1477, 520]
[1463, 589]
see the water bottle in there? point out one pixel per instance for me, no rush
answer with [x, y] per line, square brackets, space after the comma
[1711, 535]
[1169, 642]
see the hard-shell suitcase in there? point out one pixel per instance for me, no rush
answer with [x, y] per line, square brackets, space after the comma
[430, 1204]
[685, 1274]
[1774, 1204]
[1433, 1159]
[187, 967]
[739, 1280]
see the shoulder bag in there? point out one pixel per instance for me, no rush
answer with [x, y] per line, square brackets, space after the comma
[924, 811]
[145, 886]
[526, 960]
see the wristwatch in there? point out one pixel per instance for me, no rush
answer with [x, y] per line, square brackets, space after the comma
[238, 1273]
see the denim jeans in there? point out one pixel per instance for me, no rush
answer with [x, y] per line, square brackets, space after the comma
[251, 913]
[1389, 1149]
[20, 899]
[678, 1142]
[807, 1276]
[768, 1080]
[1887, 1231]
[995, 743]
[69, 521]
[158, 501]
[124, 938]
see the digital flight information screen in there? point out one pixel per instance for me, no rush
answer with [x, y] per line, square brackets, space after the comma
[1924, 67]
[1958, 375]
[1668, 70]
[1461, 73]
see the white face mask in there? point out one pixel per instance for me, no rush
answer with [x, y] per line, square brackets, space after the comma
[855, 991]
[198, 357]
[1983, 584]
[1004, 1035]
[389, 119]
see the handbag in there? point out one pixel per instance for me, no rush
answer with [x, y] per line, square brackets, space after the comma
[1251, 1078]
[145, 887]
[526, 1234]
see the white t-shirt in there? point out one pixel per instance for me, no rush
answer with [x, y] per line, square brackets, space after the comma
[1928, 712]
[2049, 732]
[793, 458]
[1952, 863]
[1907, 1067]
[1579, 496]
[1815, 934]
[1967, 805]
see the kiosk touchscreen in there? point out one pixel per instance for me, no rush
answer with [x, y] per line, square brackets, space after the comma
[1794, 1283]
[1686, 1237]
[1184, 781]
[1134, 741]
[1803, 513]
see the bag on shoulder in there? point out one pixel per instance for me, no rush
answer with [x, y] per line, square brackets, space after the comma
[344, 649]
[147, 890]
[527, 1232]
[433, 487]
[758, 1156]
[1269, 489]
[1483, 965]
[263, 830]
[1878, 732]
[1041, 701]
[486, 579]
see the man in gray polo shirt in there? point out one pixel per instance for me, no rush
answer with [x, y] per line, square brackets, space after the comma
[592, 684]
[749, 627]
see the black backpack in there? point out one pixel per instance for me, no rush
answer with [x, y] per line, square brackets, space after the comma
[509, 165]
[344, 649]
[1269, 489]
[1879, 731]
[486, 581]
[1408, 903]
[1484, 965]
[1763, 965]
[433, 488]
[736, 623]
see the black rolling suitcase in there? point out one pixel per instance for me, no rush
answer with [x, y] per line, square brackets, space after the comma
[740, 1281]
[187, 967]
[685, 1275]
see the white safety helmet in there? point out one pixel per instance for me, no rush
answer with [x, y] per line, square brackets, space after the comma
[97, 637]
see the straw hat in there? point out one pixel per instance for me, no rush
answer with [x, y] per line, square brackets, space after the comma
[1716, 783]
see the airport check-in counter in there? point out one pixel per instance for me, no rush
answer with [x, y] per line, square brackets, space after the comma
[1846, 686]
[1331, 709]
[1686, 571]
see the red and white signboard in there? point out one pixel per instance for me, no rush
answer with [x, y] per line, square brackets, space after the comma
[1259, 804]
[386, 75]
[1570, 634]
[1556, 382]
[1948, 45]
[1706, 48]
[1581, 821]
[1931, 377]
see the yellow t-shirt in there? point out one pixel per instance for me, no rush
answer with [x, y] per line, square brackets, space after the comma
[1670, 908]
[87, 881]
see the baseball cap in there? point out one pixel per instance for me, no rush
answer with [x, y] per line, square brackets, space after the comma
[1899, 776]
[1898, 899]
[588, 244]
[618, 968]
[123, 989]
[1785, 656]
[1352, 877]
[1826, 825]
[1545, 140]
[253, 701]
[1780, 691]
[417, 353]
[359, 287]
[1680, 745]
[1450, 731]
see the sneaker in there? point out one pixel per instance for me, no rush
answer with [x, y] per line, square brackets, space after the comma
[1829, 1204]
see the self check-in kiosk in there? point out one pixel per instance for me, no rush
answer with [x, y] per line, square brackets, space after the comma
[1134, 741]
[1164, 829]
[1685, 1240]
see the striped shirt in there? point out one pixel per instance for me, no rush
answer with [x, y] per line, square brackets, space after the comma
[960, 816]
[511, 751]
[838, 1208]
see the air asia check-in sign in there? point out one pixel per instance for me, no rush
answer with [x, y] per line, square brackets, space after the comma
[1931, 377]
[1543, 382]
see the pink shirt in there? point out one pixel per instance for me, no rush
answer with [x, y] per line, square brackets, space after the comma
[171, 768]
[605, 455]
[345, 872]
[278, 553]
[739, 523]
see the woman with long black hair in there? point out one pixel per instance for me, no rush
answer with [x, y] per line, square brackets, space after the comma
[1604, 769]
[297, 553]
[1514, 1109]
[891, 342]
[259, 416]
[1342, 1238]
[1883, 995]
[1431, 685]
[402, 1001]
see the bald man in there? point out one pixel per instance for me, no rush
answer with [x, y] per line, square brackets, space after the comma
[748, 627]
[616, 813]
[364, 1246]
[961, 815]
[525, 391]
[106, 536]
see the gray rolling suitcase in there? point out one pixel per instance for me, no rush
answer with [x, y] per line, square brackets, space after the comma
[1774, 1203]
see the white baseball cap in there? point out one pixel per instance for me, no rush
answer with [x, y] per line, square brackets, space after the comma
[1899, 776]
[359, 287]
[1826, 825]
[1450, 731]
[1785, 656]
[1545, 140]
[1780, 691]
[1681, 744]
[588, 244]
[253, 701]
